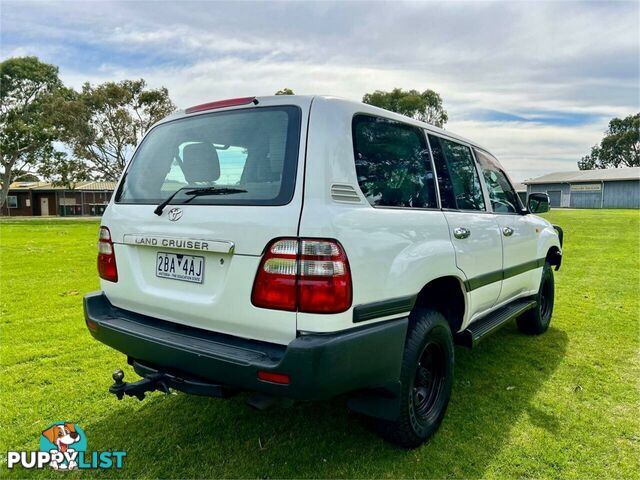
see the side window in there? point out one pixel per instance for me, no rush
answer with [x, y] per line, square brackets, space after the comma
[392, 163]
[503, 197]
[457, 175]
[12, 201]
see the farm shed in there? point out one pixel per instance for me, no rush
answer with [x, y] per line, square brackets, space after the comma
[521, 190]
[605, 188]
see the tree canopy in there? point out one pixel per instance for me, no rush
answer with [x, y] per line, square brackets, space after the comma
[424, 106]
[63, 171]
[285, 91]
[27, 131]
[620, 146]
[103, 123]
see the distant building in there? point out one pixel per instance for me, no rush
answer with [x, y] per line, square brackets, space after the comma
[44, 199]
[605, 188]
[521, 190]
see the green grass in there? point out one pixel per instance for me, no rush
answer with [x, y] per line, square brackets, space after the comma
[565, 404]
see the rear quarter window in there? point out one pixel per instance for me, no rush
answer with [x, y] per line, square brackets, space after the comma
[392, 163]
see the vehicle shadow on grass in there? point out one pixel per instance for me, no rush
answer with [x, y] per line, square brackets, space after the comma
[181, 436]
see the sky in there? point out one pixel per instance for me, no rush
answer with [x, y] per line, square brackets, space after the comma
[534, 82]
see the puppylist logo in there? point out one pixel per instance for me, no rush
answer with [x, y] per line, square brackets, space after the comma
[63, 446]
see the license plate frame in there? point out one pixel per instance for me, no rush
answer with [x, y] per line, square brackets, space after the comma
[175, 263]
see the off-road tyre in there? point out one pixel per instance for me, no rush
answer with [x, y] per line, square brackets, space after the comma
[426, 380]
[536, 321]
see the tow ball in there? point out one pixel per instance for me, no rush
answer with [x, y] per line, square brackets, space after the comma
[137, 389]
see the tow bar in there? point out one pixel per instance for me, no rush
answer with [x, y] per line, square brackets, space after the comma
[137, 389]
[153, 380]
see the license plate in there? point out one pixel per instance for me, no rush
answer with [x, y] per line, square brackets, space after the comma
[188, 268]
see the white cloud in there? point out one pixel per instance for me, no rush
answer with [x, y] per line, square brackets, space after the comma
[182, 40]
[527, 149]
[532, 60]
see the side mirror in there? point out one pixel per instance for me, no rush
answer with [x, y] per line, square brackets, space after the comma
[538, 203]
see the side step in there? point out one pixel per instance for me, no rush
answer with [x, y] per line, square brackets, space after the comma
[487, 325]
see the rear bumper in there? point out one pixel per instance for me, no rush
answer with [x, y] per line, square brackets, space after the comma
[318, 365]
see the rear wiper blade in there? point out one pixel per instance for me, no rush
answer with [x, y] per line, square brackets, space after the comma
[197, 192]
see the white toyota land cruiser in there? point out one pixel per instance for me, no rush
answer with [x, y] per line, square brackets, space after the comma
[304, 247]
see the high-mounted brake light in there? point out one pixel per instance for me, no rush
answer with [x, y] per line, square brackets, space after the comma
[308, 275]
[231, 102]
[107, 268]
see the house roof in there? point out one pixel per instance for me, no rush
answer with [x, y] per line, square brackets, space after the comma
[98, 186]
[27, 185]
[83, 186]
[598, 175]
[520, 187]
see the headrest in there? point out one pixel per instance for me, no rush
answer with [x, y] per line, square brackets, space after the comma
[200, 163]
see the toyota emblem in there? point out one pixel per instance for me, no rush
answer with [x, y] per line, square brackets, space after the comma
[175, 214]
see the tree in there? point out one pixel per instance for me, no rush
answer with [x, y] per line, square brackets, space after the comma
[26, 177]
[620, 146]
[285, 91]
[104, 123]
[63, 171]
[426, 106]
[27, 86]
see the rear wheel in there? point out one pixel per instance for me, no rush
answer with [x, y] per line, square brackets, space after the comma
[426, 377]
[537, 320]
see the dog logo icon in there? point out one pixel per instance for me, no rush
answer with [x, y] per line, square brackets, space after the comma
[175, 214]
[63, 446]
[63, 438]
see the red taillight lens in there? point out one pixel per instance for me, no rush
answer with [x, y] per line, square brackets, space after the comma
[308, 275]
[107, 268]
[275, 283]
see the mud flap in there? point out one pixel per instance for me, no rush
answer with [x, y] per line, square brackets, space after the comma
[383, 403]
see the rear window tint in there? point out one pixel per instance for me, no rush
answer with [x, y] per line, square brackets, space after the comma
[457, 175]
[392, 163]
[252, 153]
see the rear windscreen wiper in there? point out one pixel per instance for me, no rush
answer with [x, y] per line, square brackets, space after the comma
[197, 192]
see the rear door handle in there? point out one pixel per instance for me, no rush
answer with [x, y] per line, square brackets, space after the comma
[507, 232]
[461, 232]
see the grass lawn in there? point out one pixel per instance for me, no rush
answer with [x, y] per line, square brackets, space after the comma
[565, 404]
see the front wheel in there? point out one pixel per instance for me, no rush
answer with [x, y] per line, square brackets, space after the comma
[426, 378]
[536, 321]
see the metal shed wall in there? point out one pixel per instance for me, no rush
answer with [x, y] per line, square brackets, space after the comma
[586, 199]
[547, 187]
[625, 194]
[616, 194]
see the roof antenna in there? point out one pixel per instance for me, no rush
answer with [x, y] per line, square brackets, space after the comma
[255, 101]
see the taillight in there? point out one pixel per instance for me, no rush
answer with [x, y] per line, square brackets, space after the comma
[308, 275]
[106, 256]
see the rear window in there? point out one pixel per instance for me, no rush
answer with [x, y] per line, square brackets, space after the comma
[248, 156]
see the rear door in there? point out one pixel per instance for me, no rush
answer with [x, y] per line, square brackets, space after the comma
[195, 262]
[474, 231]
